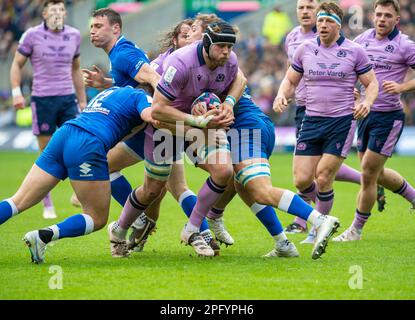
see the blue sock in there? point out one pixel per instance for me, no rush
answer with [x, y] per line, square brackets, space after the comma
[74, 226]
[293, 204]
[120, 188]
[187, 201]
[7, 210]
[268, 217]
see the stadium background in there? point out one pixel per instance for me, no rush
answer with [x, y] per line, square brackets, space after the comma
[167, 270]
[262, 59]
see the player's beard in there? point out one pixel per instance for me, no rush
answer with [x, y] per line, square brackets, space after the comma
[55, 21]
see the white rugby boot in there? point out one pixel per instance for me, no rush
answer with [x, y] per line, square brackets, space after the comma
[197, 242]
[36, 246]
[283, 249]
[221, 234]
[138, 237]
[350, 234]
[326, 227]
[118, 246]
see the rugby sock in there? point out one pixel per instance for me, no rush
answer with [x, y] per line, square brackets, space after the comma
[215, 213]
[47, 201]
[293, 204]
[324, 201]
[269, 218]
[7, 210]
[208, 194]
[360, 219]
[130, 212]
[407, 191]
[348, 174]
[187, 201]
[280, 238]
[74, 226]
[309, 193]
[120, 187]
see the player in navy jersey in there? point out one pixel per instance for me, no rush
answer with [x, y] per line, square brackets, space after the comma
[78, 150]
[51, 45]
[392, 54]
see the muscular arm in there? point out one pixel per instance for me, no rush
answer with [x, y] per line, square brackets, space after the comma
[163, 111]
[371, 85]
[147, 75]
[78, 82]
[16, 79]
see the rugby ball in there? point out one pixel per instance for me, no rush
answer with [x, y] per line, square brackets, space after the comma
[205, 102]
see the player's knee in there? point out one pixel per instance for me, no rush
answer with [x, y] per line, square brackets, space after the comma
[221, 174]
[302, 182]
[261, 196]
[323, 181]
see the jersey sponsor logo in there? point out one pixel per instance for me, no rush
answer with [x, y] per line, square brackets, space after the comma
[327, 70]
[333, 66]
[56, 52]
[380, 62]
[66, 37]
[389, 48]
[199, 77]
[342, 54]
[85, 170]
[315, 52]
[55, 49]
[170, 73]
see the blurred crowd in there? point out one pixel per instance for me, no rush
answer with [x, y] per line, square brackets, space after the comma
[262, 56]
[264, 61]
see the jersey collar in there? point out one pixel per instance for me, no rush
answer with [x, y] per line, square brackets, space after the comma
[393, 33]
[339, 41]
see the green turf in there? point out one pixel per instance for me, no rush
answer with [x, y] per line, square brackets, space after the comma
[169, 270]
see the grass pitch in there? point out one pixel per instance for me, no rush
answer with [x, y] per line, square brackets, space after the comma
[381, 266]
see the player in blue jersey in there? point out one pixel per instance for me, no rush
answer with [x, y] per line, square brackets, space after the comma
[129, 66]
[78, 150]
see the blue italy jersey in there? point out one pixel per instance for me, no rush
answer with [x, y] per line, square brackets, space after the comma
[126, 61]
[113, 114]
[246, 111]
